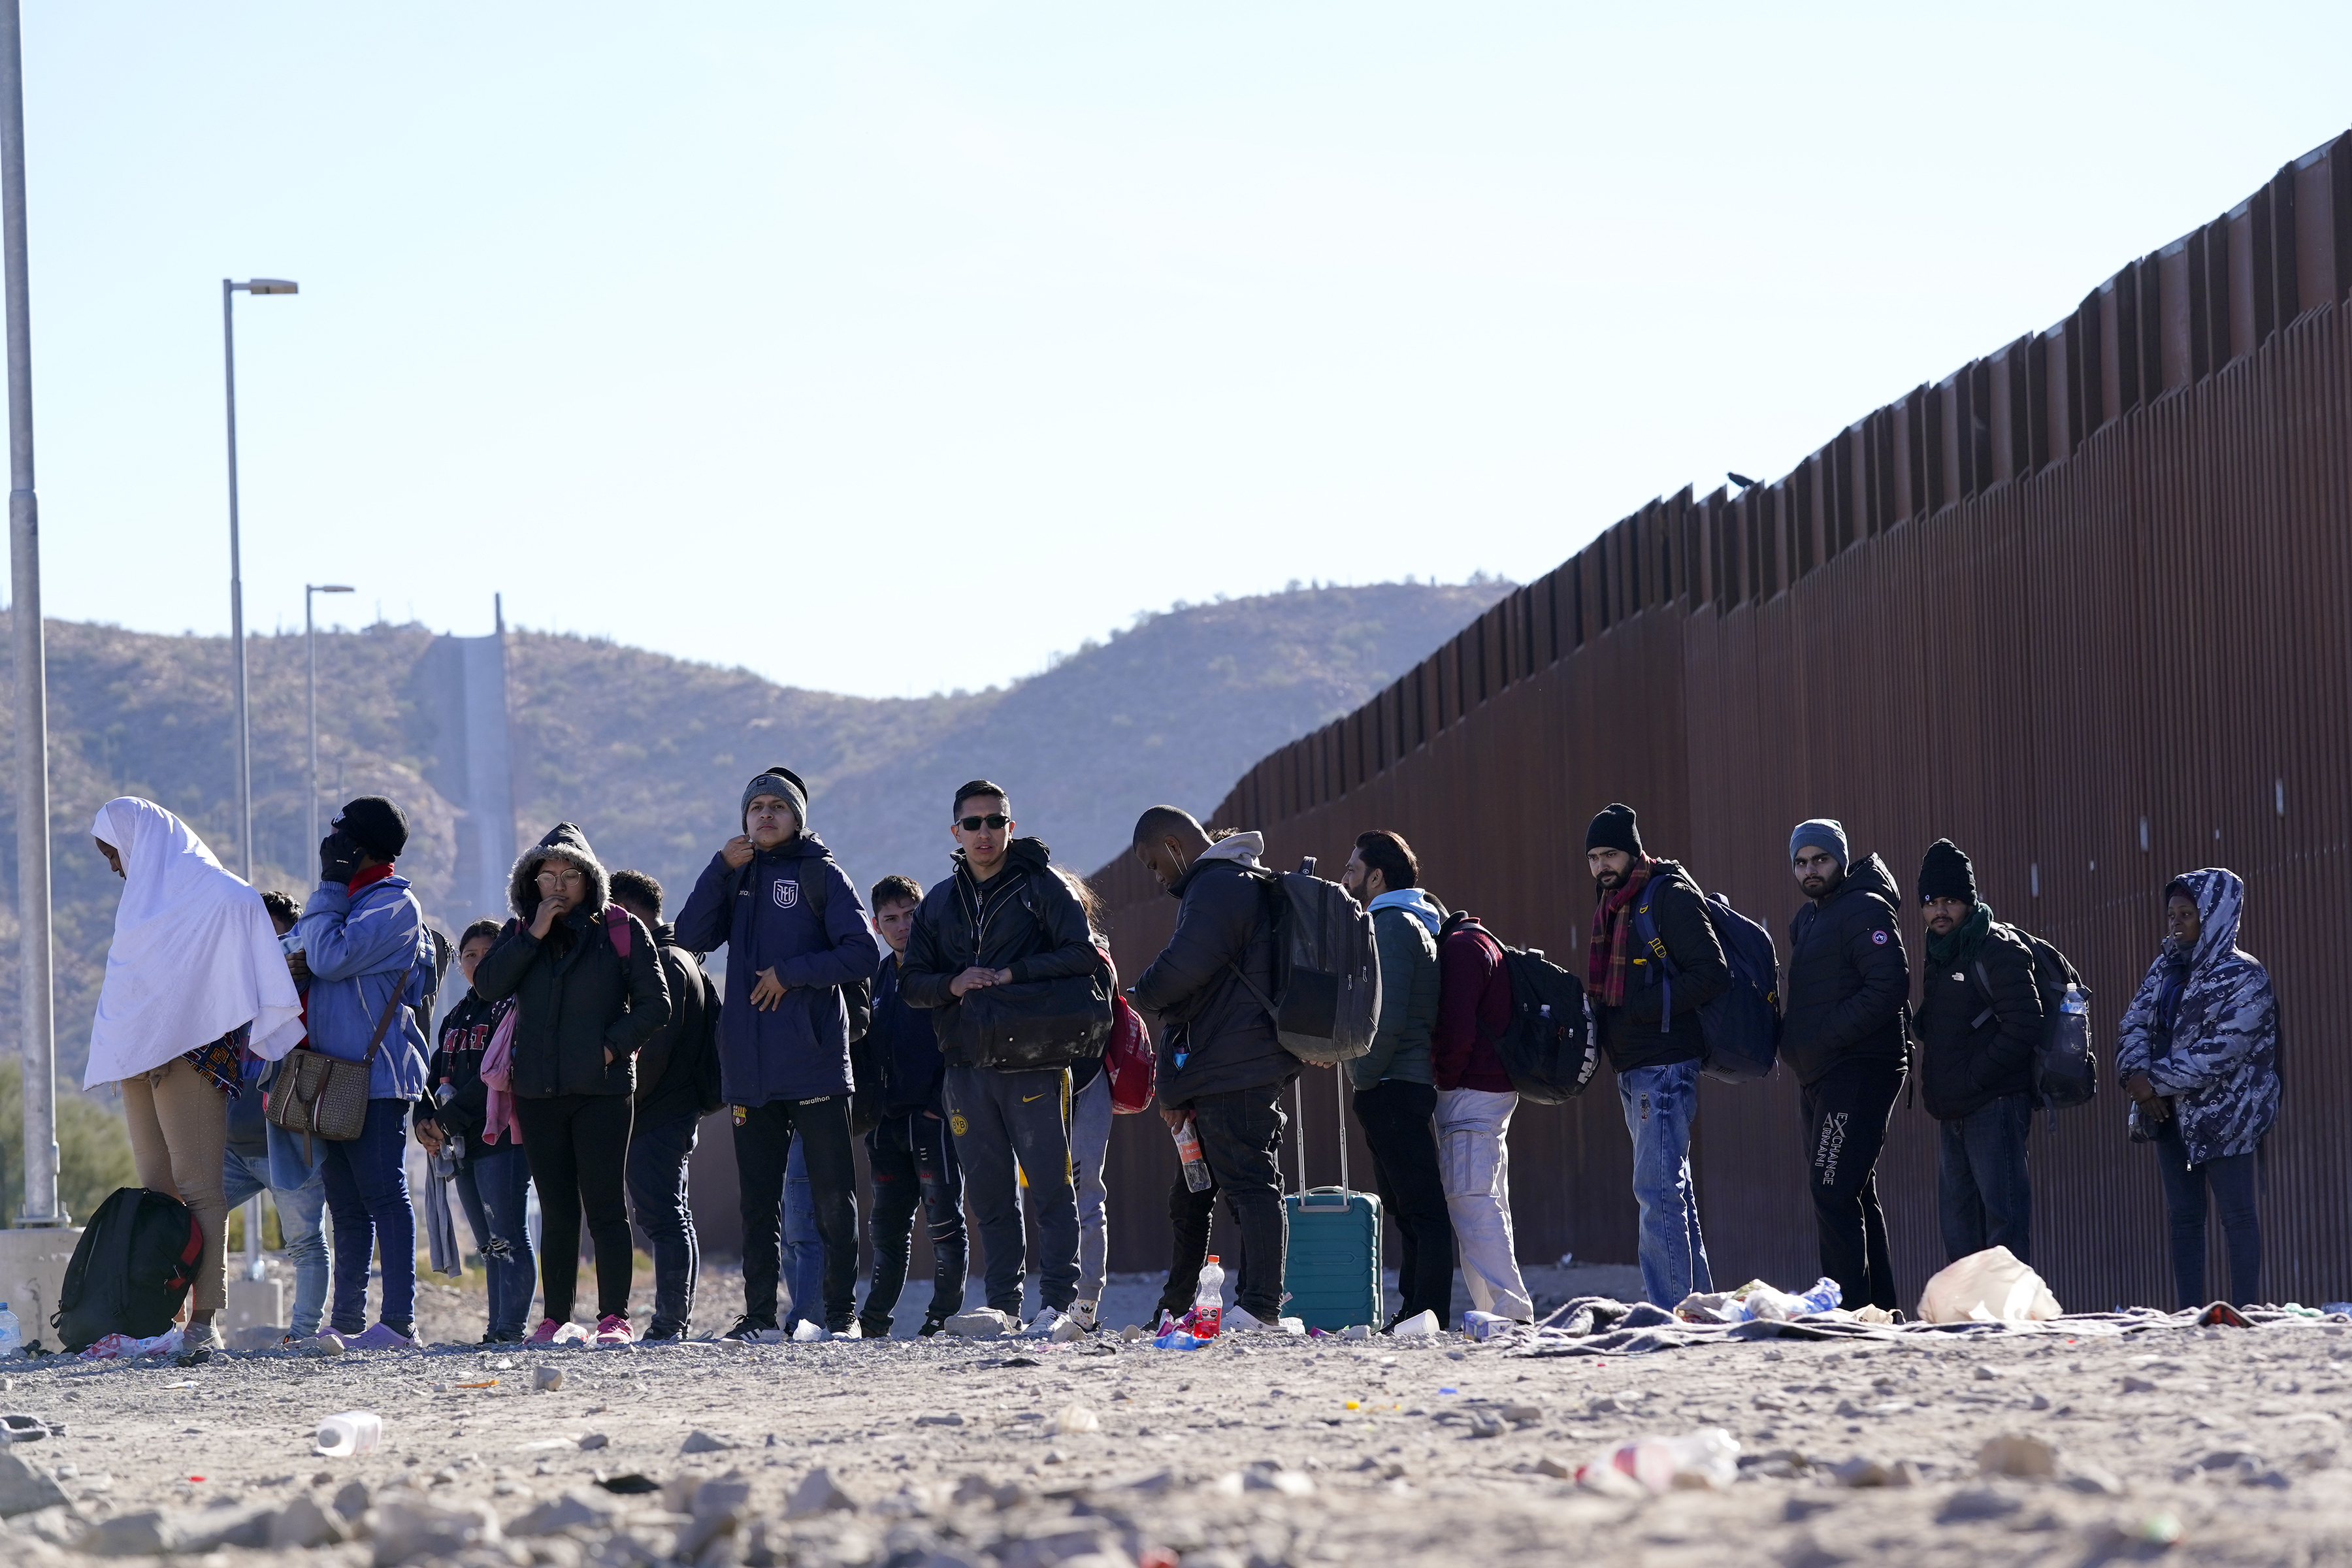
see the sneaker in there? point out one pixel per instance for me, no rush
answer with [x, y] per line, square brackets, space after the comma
[930, 1326]
[869, 1329]
[613, 1331]
[661, 1333]
[550, 1333]
[1043, 1325]
[384, 1337]
[1084, 1313]
[856, 1331]
[1240, 1321]
[756, 1330]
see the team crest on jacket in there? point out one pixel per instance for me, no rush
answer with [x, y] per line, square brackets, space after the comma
[1878, 937]
[787, 894]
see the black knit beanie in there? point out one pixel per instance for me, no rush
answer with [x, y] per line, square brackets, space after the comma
[784, 785]
[1613, 827]
[1945, 873]
[375, 825]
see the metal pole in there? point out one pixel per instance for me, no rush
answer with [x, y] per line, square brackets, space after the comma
[236, 593]
[41, 1205]
[310, 638]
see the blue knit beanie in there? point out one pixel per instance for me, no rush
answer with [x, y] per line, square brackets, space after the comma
[1821, 833]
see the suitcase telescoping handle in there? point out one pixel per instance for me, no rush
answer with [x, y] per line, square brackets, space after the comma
[1298, 1148]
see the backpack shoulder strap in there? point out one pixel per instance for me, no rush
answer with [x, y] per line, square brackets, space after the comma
[818, 890]
[616, 930]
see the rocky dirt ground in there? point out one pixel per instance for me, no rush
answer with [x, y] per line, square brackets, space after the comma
[2203, 1446]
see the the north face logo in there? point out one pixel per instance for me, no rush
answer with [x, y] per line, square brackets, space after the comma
[786, 894]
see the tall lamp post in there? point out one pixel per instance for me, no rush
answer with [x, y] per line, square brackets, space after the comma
[311, 590]
[41, 1205]
[229, 290]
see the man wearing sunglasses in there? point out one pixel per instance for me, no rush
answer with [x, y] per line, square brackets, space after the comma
[795, 935]
[1005, 916]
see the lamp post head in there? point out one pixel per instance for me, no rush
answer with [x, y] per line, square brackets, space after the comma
[326, 588]
[268, 286]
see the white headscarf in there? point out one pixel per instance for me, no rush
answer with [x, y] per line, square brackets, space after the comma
[194, 954]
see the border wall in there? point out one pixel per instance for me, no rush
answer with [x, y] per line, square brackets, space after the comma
[2079, 605]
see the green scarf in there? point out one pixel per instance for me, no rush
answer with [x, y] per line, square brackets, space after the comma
[1960, 944]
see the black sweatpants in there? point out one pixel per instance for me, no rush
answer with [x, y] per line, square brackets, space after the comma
[1241, 1140]
[1845, 1127]
[763, 1144]
[1398, 1121]
[578, 1148]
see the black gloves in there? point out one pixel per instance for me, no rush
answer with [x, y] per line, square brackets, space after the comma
[339, 858]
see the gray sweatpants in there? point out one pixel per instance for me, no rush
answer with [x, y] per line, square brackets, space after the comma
[1008, 1125]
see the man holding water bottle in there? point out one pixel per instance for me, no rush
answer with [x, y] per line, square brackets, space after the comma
[1222, 1067]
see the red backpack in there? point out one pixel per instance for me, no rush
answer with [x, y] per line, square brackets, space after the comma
[1128, 1060]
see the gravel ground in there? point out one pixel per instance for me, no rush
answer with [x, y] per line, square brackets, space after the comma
[2205, 1446]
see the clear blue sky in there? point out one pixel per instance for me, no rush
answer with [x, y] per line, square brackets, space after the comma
[889, 347]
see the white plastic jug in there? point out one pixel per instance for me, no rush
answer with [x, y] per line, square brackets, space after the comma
[352, 1432]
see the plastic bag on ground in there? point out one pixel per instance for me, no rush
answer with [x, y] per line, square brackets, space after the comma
[1706, 1458]
[116, 1347]
[1988, 1287]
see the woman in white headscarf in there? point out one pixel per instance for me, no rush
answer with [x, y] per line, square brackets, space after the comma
[195, 980]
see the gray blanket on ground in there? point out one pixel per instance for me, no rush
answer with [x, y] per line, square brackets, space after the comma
[1595, 1325]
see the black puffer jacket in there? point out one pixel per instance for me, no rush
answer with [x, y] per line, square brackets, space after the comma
[1966, 1066]
[1847, 977]
[577, 998]
[1214, 1036]
[1630, 1034]
[677, 1071]
[1025, 919]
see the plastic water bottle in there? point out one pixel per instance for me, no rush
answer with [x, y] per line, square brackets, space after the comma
[2074, 1002]
[1825, 1295]
[12, 1334]
[352, 1432]
[1196, 1169]
[1209, 1300]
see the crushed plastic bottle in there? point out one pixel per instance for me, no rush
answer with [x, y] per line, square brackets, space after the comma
[12, 1334]
[1706, 1458]
[1208, 1313]
[1188, 1150]
[352, 1432]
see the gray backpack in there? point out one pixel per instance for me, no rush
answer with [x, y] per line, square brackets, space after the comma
[1327, 968]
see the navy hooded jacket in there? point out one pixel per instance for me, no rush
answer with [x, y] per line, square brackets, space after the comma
[761, 914]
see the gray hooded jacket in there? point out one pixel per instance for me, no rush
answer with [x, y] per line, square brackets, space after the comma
[2220, 1063]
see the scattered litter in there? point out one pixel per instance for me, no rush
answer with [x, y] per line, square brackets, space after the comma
[1422, 1325]
[1483, 1326]
[1987, 1286]
[492, 1382]
[350, 1433]
[808, 1333]
[120, 1347]
[1706, 1458]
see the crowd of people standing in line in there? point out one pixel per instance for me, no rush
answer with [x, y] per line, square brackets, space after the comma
[588, 1043]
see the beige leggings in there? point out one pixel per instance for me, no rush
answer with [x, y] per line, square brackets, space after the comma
[179, 1126]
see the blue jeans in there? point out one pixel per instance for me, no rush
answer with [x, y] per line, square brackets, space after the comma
[658, 1155]
[367, 1192]
[1982, 1191]
[803, 1244]
[300, 1210]
[1659, 1103]
[494, 1188]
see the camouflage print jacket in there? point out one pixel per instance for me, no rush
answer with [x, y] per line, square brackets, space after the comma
[2220, 1068]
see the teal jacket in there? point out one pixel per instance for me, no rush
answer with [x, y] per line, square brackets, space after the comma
[1401, 927]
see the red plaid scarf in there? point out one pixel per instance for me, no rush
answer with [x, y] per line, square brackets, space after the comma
[1612, 942]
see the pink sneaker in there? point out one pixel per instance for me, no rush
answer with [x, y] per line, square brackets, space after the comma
[384, 1337]
[550, 1333]
[613, 1331]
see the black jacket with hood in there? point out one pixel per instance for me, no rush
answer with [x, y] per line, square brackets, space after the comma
[1025, 919]
[577, 998]
[1965, 1064]
[677, 1071]
[1630, 1034]
[1847, 978]
[1214, 1036]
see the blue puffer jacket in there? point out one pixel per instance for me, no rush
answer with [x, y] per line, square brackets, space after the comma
[361, 946]
[762, 915]
[2217, 1059]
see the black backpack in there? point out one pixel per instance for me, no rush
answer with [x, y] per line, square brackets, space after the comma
[1326, 968]
[130, 1269]
[1546, 1049]
[2065, 1068]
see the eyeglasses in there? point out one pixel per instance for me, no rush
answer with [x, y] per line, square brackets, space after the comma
[974, 823]
[570, 878]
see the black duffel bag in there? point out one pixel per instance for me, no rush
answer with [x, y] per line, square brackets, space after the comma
[1031, 1023]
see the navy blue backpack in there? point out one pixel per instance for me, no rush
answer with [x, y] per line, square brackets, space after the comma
[1742, 1024]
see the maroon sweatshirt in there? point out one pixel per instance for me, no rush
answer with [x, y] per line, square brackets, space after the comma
[1472, 989]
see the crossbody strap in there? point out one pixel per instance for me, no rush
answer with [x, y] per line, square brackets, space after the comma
[391, 1007]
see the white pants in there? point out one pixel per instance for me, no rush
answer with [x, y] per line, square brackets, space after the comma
[1476, 1164]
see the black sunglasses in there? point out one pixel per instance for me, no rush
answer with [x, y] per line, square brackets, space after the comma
[974, 823]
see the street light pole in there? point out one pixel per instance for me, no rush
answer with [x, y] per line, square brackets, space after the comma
[311, 590]
[41, 1206]
[229, 290]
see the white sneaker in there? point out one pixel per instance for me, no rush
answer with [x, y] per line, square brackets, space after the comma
[856, 1331]
[1239, 1321]
[1083, 1314]
[1043, 1325]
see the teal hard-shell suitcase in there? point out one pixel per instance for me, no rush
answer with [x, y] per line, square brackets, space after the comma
[1331, 1271]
